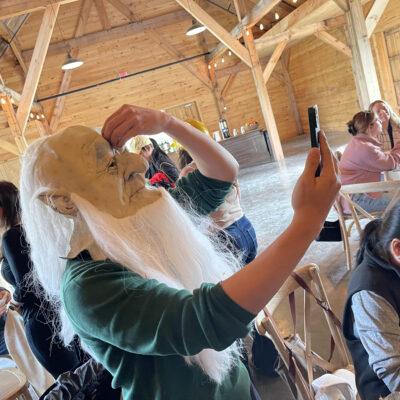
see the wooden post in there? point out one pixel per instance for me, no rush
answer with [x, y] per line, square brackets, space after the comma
[385, 71]
[294, 110]
[264, 98]
[362, 62]
[13, 123]
[36, 65]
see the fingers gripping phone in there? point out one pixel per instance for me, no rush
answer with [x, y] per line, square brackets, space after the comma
[313, 121]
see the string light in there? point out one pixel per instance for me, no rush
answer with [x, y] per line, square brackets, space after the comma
[42, 116]
[12, 101]
[215, 65]
[223, 59]
[209, 66]
[294, 1]
[247, 32]
[262, 26]
[3, 100]
[31, 115]
[276, 15]
[225, 107]
[37, 116]
[229, 53]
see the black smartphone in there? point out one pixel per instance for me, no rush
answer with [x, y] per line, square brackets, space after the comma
[313, 121]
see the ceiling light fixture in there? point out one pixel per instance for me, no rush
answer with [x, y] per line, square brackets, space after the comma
[71, 63]
[195, 28]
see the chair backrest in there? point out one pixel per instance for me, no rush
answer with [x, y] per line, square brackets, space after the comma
[309, 281]
[13, 384]
[21, 353]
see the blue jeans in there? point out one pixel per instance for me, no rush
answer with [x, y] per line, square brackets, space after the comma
[241, 237]
[372, 205]
[3, 347]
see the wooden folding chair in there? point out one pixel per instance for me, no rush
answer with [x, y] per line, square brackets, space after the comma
[307, 279]
[14, 386]
[357, 212]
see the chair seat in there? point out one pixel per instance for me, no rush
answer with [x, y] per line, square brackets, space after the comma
[11, 382]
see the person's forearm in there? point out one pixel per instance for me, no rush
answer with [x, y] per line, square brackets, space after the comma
[211, 159]
[254, 285]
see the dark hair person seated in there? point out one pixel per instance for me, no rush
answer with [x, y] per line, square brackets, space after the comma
[372, 309]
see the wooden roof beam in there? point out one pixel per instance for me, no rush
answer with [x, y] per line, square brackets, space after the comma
[4, 90]
[67, 76]
[11, 8]
[295, 33]
[335, 43]
[124, 9]
[276, 55]
[374, 15]
[228, 84]
[101, 11]
[173, 51]
[36, 65]
[262, 8]
[114, 33]
[216, 29]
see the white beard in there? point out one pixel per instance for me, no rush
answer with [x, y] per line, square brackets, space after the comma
[161, 242]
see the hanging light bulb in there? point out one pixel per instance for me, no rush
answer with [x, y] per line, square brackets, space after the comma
[225, 107]
[37, 116]
[31, 115]
[262, 27]
[195, 28]
[229, 53]
[71, 63]
[276, 15]
[223, 59]
[294, 1]
[42, 116]
[209, 66]
[12, 101]
[3, 100]
[215, 65]
[247, 32]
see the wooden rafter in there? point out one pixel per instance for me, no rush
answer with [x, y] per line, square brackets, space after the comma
[335, 43]
[67, 77]
[124, 9]
[114, 33]
[274, 60]
[4, 90]
[218, 98]
[374, 15]
[201, 75]
[262, 8]
[101, 10]
[228, 84]
[36, 65]
[216, 29]
[12, 148]
[296, 33]
[11, 8]
[343, 4]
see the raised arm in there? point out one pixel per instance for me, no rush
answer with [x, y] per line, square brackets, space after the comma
[255, 284]
[212, 160]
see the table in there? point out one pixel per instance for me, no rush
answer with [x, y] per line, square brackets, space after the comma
[249, 149]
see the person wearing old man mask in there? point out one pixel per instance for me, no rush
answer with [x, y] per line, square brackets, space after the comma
[136, 278]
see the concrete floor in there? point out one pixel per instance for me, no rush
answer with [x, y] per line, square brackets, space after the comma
[266, 200]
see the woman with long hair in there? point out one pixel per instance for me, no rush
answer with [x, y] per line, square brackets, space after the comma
[36, 312]
[390, 124]
[372, 310]
[364, 161]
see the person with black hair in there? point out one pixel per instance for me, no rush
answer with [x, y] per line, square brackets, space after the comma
[364, 161]
[372, 310]
[16, 269]
[162, 170]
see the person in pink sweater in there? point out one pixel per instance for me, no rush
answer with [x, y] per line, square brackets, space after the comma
[364, 161]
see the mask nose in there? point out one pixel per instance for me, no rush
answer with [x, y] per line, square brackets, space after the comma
[132, 163]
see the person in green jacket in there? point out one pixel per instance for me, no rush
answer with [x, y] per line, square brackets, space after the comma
[133, 271]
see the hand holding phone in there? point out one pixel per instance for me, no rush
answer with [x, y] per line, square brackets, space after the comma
[313, 121]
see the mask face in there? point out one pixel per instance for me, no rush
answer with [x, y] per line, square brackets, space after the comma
[79, 160]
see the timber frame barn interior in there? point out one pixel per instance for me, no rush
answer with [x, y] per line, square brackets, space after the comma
[266, 61]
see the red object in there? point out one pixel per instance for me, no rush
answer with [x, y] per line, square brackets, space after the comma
[159, 177]
[122, 74]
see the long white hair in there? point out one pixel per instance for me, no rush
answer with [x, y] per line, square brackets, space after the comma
[174, 251]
